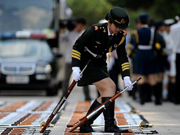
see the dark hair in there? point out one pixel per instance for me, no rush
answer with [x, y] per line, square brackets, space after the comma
[144, 21]
[107, 16]
[151, 22]
[81, 21]
[70, 25]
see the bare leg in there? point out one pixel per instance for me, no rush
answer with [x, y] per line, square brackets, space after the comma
[106, 88]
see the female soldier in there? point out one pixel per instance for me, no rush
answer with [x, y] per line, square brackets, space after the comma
[144, 59]
[94, 44]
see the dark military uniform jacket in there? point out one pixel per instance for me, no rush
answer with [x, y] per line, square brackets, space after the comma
[134, 40]
[160, 45]
[95, 38]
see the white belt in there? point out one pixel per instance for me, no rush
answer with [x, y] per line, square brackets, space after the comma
[144, 47]
[93, 54]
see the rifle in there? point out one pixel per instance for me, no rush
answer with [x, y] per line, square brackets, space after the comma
[99, 109]
[62, 101]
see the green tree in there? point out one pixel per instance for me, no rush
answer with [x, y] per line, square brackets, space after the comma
[95, 10]
[92, 10]
[157, 9]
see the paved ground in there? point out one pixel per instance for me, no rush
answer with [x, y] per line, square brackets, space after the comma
[166, 118]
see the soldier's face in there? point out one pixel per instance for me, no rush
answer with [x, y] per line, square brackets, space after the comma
[113, 28]
[80, 27]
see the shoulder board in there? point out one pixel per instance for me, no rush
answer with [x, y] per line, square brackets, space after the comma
[96, 27]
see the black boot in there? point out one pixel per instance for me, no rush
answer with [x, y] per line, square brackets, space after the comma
[141, 89]
[148, 91]
[157, 89]
[109, 118]
[86, 127]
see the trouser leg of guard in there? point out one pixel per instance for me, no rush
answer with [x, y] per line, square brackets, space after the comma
[109, 118]
[86, 127]
[169, 97]
[177, 91]
[173, 92]
[86, 93]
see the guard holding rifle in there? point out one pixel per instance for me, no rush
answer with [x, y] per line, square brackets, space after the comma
[93, 44]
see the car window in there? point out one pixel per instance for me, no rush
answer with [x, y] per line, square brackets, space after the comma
[25, 14]
[25, 48]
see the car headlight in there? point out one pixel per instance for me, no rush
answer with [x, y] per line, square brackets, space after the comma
[43, 69]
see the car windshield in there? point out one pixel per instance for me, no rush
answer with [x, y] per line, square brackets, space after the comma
[25, 14]
[27, 48]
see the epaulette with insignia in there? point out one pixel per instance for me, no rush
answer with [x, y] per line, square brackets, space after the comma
[96, 27]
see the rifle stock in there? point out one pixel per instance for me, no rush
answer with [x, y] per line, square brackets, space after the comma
[62, 100]
[58, 106]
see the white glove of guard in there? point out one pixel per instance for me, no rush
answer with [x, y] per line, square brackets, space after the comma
[76, 73]
[128, 83]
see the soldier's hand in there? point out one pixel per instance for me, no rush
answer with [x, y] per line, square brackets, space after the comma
[128, 83]
[76, 73]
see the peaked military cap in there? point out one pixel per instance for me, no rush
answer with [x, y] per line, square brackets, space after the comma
[169, 22]
[143, 17]
[159, 24]
[119, 17]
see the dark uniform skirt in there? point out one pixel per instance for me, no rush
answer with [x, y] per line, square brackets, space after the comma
[144, 62]
[93, 73]
[160, 63]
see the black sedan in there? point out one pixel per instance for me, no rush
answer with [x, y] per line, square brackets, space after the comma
[28, 64]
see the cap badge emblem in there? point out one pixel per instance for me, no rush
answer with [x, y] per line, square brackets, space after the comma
[120, 22]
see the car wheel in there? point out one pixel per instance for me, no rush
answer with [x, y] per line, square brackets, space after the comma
[51, 92]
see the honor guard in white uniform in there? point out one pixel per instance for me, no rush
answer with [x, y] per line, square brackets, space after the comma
[174, 33]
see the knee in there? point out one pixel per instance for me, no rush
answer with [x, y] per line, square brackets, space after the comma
[110, 87]
[152, 82]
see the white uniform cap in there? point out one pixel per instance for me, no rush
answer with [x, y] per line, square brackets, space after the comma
[169, 21]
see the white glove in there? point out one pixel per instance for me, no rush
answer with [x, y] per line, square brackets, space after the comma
[128, 83]
[76, 73]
